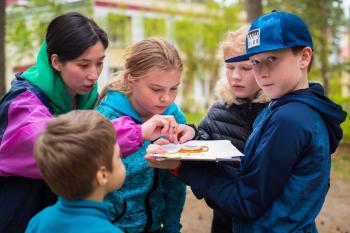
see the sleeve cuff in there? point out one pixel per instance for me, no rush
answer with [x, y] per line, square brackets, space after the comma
[175, 171]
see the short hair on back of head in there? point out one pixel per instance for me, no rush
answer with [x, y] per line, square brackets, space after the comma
[298, 49]
[72, 148]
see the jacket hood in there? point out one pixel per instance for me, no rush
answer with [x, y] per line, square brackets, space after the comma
[224, 94]
[332, 113]
[50, 82]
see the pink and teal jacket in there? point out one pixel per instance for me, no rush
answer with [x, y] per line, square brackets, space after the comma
[24, 112]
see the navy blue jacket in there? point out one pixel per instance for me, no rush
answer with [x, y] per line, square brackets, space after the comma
[284, 176]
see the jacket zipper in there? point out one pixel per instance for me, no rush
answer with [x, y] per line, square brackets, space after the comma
[148, 201]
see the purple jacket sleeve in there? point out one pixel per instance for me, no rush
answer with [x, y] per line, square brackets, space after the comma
[129, 134]
[27, 117]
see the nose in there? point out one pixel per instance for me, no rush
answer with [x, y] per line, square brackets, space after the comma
[164, 98]
[236, 76]
[93, 74]
[261, 70]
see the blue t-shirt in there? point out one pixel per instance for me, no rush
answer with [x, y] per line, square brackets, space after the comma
[68, 216]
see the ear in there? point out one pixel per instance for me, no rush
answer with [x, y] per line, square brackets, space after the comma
[129, 80]
[55, 62]
[102, 176]
[305, 59]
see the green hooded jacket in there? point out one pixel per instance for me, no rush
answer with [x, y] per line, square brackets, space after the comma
[50, 82]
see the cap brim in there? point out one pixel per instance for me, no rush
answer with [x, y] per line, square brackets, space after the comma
[245, 57]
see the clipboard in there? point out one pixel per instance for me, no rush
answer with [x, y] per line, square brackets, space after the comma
[199, 150]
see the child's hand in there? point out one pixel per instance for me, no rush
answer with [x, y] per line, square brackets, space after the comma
[157, 126]
[161, 141]
[165, 164]
[185, 133]
[182, 134]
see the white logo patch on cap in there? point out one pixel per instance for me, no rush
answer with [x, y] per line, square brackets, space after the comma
[253, 38]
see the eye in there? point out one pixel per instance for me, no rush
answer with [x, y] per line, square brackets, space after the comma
[83, 66]
[155, 89]
[99, 63]
[255, 62]
[247, 68]
[271, 59]
[174, 89]
[230, 67]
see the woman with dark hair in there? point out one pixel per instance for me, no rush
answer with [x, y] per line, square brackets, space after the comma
[64, 78]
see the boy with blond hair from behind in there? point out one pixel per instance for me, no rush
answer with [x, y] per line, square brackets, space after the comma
[283, 179]
[78, 157]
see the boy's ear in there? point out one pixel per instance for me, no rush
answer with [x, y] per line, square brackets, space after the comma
[55, 62]
[306, 56]
[102, 176]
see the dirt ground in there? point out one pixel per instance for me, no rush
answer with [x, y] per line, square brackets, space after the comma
[334, 216]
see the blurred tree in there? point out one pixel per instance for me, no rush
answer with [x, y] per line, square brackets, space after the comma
[254, 9]
[198, 39]
[118, 28]
[155, 27]
[26, 24]
[325, 19]
[2, 47]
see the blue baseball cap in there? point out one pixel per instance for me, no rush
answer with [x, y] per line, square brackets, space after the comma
[274, 31]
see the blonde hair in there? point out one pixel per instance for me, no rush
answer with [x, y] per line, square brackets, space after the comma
[234, 42]
[143, 57]
[72, 148]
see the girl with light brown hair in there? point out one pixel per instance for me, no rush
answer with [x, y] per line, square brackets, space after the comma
[146, 87]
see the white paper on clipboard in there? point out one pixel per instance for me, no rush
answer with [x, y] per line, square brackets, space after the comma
[209, 150]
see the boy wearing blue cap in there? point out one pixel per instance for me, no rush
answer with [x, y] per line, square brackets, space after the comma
[284, 177]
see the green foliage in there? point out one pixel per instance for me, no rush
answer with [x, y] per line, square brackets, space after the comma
[155, 27]
[189, 46]
[194, 117]
[341, 162]
[198, 40]
[26, 26]
[335, 86]
[18, 37]
[118, 28]
[345, 103]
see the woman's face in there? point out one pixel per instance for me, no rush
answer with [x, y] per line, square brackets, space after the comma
[80, 74]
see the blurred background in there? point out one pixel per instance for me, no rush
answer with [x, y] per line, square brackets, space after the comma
[197, 27]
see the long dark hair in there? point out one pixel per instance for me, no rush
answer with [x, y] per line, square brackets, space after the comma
[70, 34]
